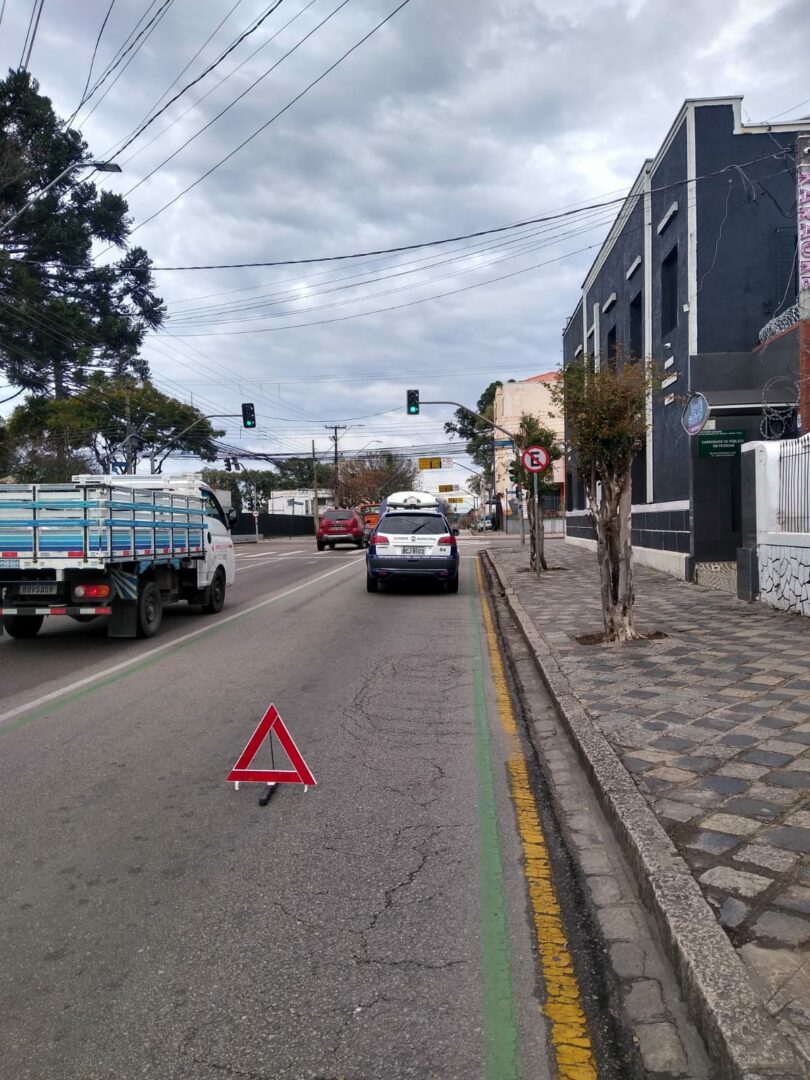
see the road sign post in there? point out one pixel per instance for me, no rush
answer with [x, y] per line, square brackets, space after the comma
[534, 460]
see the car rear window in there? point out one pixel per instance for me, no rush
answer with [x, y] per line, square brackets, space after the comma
[338, 515]
[426, 524]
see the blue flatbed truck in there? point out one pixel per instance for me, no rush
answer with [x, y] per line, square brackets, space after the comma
[116, 546]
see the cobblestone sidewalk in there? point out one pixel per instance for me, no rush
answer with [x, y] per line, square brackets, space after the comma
[713, 722]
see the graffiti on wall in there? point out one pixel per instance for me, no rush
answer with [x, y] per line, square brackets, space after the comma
[804, 228]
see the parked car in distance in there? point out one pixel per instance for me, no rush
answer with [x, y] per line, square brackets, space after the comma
[339, 527]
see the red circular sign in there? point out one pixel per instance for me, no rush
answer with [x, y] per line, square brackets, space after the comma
[535, 459]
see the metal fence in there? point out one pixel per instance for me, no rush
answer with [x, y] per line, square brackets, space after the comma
[794, 485]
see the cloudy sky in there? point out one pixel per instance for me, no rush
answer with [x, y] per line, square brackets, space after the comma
[455, 115]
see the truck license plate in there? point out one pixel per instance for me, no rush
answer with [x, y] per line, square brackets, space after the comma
[9, 563]
[37, 590]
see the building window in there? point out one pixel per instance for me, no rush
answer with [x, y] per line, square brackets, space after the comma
[636, 342]
[669, 291]
[610, 348]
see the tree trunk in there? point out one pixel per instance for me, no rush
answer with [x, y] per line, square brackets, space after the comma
[614, 556]
[541, 532]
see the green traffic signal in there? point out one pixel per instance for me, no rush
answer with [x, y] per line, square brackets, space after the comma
[248, 415]
[412, 402]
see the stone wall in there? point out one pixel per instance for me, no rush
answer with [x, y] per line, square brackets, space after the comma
[784, 577]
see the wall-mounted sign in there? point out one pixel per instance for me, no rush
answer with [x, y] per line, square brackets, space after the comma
[448, 487]
[721, 444]
[695, 414]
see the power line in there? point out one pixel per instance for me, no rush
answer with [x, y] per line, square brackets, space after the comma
[234, 45]
[95, 52]
[30, 35]
[216, 85]
[276, 116]
[227, 108]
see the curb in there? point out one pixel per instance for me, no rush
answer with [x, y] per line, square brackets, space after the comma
[743, 1039]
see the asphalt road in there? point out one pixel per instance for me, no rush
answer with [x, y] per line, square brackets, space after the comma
[158, 923]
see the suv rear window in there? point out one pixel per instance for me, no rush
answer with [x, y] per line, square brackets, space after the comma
[427, 524]
[338, 515]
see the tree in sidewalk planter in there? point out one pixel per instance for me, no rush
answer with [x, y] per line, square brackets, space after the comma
[532, 433]
[370, 477]
[606, 421]
[61, 315]
[95, 423]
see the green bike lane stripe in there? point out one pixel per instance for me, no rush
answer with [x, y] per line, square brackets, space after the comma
[501, 1040]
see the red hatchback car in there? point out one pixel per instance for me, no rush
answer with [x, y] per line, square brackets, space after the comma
[339, 527]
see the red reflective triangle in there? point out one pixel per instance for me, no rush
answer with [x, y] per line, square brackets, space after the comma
[271, 723]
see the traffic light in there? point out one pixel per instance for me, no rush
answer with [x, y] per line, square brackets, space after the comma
[227, 464]
[514, 472]
[412, 404]
[248, 414]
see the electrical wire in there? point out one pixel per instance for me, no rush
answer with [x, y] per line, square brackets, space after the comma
[275, 116]
[227, 108]
[216, 86]
[95, 51]
[211, 67]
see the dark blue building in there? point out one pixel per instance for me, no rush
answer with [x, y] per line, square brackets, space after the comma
[701, 256]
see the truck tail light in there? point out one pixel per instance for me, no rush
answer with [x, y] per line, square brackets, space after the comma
[91, 592]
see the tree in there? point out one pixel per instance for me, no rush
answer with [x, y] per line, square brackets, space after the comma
[532, 433]
[476, 433]
[61, 315]
[115, 420]
[373, 476]
[605, 420]
[296, 473]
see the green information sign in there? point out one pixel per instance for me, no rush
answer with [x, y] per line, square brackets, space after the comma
[717, 444]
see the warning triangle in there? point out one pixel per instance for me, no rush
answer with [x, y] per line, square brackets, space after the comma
[270, 724]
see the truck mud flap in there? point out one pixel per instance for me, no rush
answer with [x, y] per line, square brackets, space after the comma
[124, 619]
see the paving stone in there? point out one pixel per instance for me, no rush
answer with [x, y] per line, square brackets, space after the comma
[733, 912]
[781, 795]
[783, 746]
[696, 764]
[669, 775]
[673, 742]
[780, 927]
[723, 785]
[660, 1047]
[730, 823]
[757, 808]
[742, 772]
[788, 836]
[636, 764]
[791, 779]
[771, 858]
[763, 757]
[673, 717]
[738, 740]
[643, 1000]
[676, 811]
[618, 923]
[777, 722]
[800, 818]
[714, 843]
[794, 898]
[739, 882]
[604, 890]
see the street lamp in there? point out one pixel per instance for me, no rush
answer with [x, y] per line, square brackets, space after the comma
[99, 166]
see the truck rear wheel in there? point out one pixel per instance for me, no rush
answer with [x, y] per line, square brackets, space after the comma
[22, 626]
[150, 609]
[216, 596]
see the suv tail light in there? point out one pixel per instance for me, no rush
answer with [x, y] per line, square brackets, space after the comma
[447, 541]
[91, 592]
[378, 539]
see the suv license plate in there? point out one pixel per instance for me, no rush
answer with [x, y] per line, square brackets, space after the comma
[413, 551]
[37, 590]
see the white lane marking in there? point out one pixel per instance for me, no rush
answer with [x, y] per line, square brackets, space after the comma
[114, 668]
[273, 554]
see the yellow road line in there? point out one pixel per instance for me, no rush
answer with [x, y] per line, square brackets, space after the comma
[563, 1005]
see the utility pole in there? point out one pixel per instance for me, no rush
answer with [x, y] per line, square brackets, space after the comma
[336, 428]
[315, 514]
[803, 253]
